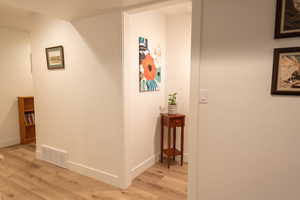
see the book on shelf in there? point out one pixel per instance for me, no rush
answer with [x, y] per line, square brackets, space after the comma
[29, 119]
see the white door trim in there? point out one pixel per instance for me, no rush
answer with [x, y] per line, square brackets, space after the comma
[194, 100]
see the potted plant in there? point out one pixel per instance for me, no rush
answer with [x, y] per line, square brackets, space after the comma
[172, 107]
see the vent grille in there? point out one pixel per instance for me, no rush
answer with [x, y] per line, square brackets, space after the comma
[55, 156]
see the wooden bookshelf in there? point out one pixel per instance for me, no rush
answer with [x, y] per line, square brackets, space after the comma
[27, 119]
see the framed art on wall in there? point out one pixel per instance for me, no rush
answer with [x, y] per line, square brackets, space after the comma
[149, 66]
[55, 57]
[286, 71]
[287, 19]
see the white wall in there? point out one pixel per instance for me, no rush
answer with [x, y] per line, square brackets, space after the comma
[80, 109]
[142, 117]
[142, 114]
[248, 140]
[15, 80]
[179, 63]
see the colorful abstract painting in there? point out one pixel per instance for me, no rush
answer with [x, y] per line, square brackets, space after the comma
[150, 66]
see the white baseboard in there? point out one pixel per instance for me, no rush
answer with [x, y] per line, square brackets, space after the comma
[88, 171]
[100, 175]
[108, 177]
[9, 142]
[143, 166]
[185, 157]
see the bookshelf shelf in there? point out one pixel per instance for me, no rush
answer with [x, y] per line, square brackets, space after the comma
[27, 119]
[29, 110]
[30, 125]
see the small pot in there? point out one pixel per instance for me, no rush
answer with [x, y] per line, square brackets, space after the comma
[172, 109]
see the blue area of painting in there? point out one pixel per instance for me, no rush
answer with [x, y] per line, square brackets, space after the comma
[151, 85]
[143, 43]
[143, 85]
[158, 75]
[141, 40]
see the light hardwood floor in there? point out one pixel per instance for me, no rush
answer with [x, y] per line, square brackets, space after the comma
[22, 177]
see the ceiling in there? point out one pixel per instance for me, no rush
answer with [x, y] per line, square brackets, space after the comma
[13, 17]
[16, 13]
[68, 9]
[177, 9]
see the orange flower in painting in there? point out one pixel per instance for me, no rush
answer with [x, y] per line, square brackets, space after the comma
[149, 67]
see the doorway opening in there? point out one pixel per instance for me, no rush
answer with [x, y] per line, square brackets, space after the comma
[157, 63]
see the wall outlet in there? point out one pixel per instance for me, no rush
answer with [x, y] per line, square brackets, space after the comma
[203, 96]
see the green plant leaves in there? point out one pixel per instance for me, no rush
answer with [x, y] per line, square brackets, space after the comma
[172, 99]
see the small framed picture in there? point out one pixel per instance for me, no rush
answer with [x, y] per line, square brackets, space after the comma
[287, 19]
[286, 71]
[55, 57]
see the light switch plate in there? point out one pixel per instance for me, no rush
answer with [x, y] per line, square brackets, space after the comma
[203, 96]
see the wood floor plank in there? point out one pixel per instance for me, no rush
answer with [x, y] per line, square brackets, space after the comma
[23, 177]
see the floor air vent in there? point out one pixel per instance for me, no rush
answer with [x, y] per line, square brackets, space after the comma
[55, 156]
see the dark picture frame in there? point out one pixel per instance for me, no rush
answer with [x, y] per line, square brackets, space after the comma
[286, 71]
[287, 19]
[55, 57]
